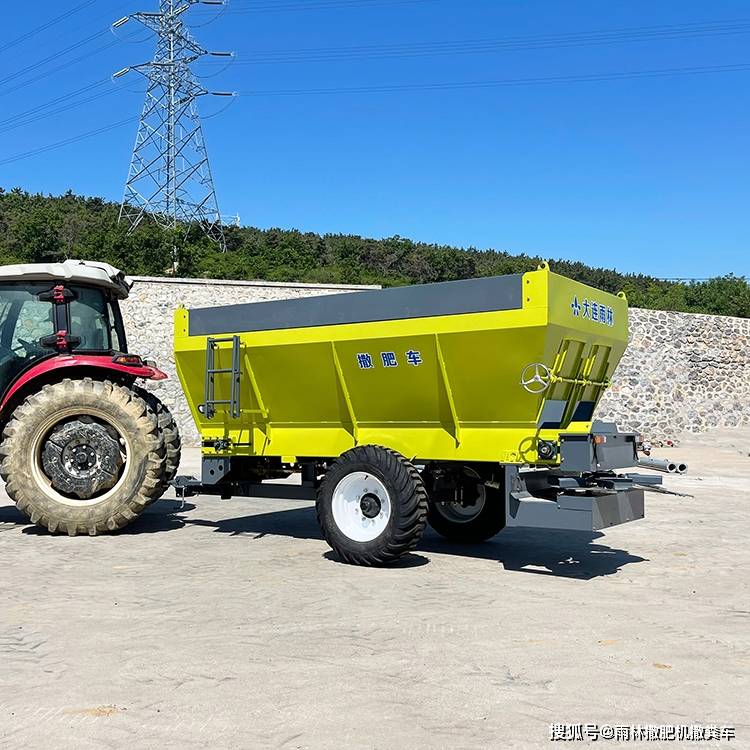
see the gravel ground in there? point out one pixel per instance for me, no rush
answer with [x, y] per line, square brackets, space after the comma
[227, 624]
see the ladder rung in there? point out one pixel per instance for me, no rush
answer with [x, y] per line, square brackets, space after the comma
[233, 402]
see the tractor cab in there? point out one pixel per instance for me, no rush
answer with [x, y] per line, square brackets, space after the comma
[55, 308]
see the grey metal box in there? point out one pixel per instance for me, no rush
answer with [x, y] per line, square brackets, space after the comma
[580, 453]
[576, 512]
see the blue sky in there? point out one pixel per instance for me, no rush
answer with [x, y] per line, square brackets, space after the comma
[644, 175]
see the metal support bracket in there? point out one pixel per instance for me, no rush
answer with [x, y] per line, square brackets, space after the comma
[448, 391]
[345, 393]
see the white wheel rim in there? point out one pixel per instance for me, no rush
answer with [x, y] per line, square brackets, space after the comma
[355, 498]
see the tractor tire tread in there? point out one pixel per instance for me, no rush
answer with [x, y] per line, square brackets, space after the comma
[171, 432]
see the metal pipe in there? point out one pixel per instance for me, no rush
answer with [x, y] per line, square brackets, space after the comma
[682, 468]
[659, 464]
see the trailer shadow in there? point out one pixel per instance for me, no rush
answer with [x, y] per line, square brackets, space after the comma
[566, 554]
[298, 523]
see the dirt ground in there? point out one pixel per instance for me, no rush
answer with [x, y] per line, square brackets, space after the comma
[227, 624]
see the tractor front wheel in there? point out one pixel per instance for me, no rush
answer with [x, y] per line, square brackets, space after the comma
[83, 456]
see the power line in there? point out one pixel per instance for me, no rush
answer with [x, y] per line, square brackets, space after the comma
[19, 122]
[473, 46]
[50, 58]
[64, 66]
[48, 25]
[215, 16]
[58, 68]
[62, 98]
[419, 48]
[283, 7]
[58, 54]
[67, 141]
[656, 73]
[392, 88]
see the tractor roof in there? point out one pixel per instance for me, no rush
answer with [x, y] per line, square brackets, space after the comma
[85, 272]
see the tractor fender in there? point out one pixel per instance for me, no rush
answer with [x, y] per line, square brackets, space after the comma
[54, 369]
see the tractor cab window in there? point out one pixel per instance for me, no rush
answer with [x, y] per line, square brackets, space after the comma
[117, 331]
[95, 320]
[24, 321]
[88, 320]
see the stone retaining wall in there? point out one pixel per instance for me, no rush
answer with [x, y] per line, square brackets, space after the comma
[682, 372]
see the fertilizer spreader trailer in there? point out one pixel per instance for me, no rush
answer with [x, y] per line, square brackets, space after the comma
[467, 405]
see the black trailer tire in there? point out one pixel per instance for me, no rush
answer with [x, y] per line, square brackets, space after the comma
[372, 506]
[466, 523]
[170, 431]
[102, 417]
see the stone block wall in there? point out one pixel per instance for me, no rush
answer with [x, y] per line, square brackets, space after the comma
[682, 372]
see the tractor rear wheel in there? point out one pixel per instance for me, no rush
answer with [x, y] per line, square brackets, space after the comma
[170, 431]
[83, 457]
[372, 506]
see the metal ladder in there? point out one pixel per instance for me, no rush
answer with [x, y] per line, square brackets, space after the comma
[211, 402]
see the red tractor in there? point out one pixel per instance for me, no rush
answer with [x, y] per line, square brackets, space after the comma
[84, 447]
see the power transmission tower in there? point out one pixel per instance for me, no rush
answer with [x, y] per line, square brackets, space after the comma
[170, 177]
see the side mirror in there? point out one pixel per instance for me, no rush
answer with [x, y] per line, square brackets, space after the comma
[60, 341]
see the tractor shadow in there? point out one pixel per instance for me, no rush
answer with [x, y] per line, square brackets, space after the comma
[9, 514]
[163, 515]
[160, 517]
[565, 554]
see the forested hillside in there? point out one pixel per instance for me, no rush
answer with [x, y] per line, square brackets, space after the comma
[37, 228]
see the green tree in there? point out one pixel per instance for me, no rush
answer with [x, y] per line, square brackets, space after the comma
[42, 228]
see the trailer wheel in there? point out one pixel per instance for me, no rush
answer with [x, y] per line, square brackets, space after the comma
[372, 506]
[171, 432]
[83, 457]
[469, 511]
